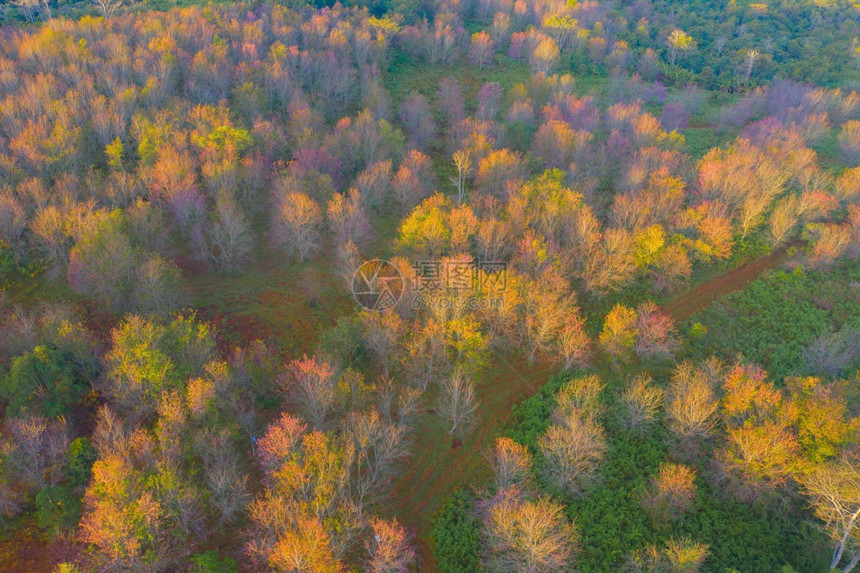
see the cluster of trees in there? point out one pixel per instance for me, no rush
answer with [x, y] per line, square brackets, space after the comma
[140, 148]
[109, 178]
[177, 437]
[711, 435]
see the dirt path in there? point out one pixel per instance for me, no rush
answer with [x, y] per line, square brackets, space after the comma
[438, 465]
[436, 469]
[701, 296]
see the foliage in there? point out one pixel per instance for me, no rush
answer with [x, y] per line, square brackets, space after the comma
[44, 381]
[57, 509]
[80, 459]
[775, 318]
[211, 562]
[455, 535]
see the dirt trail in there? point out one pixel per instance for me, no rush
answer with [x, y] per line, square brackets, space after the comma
[432, 474]
[701, 296]
[436, 467]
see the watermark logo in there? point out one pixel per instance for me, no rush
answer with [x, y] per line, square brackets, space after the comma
[448, 283]
[377, 285]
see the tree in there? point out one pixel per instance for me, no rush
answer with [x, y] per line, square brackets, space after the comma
[544, 56]
[457, 401]
[147, 359]
[224, 478]
[608, 263]
[679, 40]
[642, 400]
[463, 165]
[691, 405]
[562, 28]
[620, 332]
[102, 264]
[347, 219]
[424, 231]
[783, 219]
[377, 443]
[35, 450]
[427, 358]
[849, 142]
[750, 58]
[745, 179]
[123, 521]
[13, 221]
[281, 438]
[229, 235]
[481, 49]
[382, 332]
[761, 446]
[834, 491]
[80, 459]
[558, 144]
[511, 464]
[548, 308]
[528, 536]
[574, 444]
[489, 98]
[388, 550]
[500, 173]
[311, 385]
[681, 555]
[672, 492]
[158, 290]
[296, 225]
[449, 99]
[30, 8]
[671, 266]
[108, 7]
[304, 546]
[305, 520]
[414, 181]
[655, 332]
[44, 381]
[417, 120]
[574, 343]
[374, 183]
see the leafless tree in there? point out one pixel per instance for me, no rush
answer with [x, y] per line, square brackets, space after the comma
[750, 58]
[511, 464]
[296, 225]
[230, 239]
[642, 400]
[108, 7]
[347, 218]
[834, 491]
[457, 401]
[571, 452]
[463, 164]
[377, 444]
[36, 449]
[311, 385]
[691, 404]
[527, 536]
[227, 483]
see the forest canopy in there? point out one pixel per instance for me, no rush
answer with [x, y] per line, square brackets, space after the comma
[482, 285]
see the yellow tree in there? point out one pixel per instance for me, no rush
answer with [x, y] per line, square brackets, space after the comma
[619, 332]
[679, 40]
